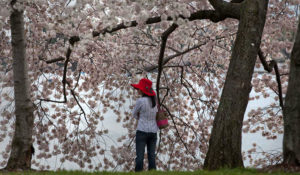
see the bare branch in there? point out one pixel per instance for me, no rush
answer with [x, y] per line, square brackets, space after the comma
[164, 38]
[53, 101]
[167, 59]
[269, 67]
[55, 60]
[72, 41]
[187, 149]
[77, 82]
[74, 96]
[64, 81]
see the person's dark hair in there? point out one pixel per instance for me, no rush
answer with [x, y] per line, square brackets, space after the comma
[153, 99]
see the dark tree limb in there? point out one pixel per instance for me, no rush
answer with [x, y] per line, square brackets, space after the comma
[269, 67]
[164, 39]
[74, 96]
[236, 1]
[64, 81]
[227, 9]
[167, 59]
[55, 60]
[12, 3]
[178, 53]
[72, 41]
[223, 10]
[53, 101]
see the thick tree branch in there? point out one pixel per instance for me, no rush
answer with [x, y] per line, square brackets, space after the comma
[55, 60]
[12, 3]
[236, 1]
[164, 39]
[64, 81]
[269, 67]
[73, 40]
[228, 9]
[231, 10]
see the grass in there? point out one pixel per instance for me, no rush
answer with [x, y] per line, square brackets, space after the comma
[219, 172]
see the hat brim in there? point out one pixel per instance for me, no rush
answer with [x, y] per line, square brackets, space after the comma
[137, 86]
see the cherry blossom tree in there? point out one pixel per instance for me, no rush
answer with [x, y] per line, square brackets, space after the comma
[84, 56]
[21, 149]
[225, 142]
[291, 155]
[269, 120]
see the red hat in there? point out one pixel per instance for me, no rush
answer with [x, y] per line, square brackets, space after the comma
[145, 86]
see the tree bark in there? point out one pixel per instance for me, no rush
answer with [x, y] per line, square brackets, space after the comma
[291, 110]
[20, 156]
[225, 141]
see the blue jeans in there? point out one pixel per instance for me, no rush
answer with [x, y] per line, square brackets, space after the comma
[143, 139]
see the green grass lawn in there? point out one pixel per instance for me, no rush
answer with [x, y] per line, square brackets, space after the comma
[219, 172]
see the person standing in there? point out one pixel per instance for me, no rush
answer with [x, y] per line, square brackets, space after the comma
[146, 133]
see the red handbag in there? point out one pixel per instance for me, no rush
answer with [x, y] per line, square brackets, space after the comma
[162, 118]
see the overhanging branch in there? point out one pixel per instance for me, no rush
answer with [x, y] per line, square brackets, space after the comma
[229, 10]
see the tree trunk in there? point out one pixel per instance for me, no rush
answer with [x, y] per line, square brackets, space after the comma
[225, 141]
[291, 110]
[20, 156]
